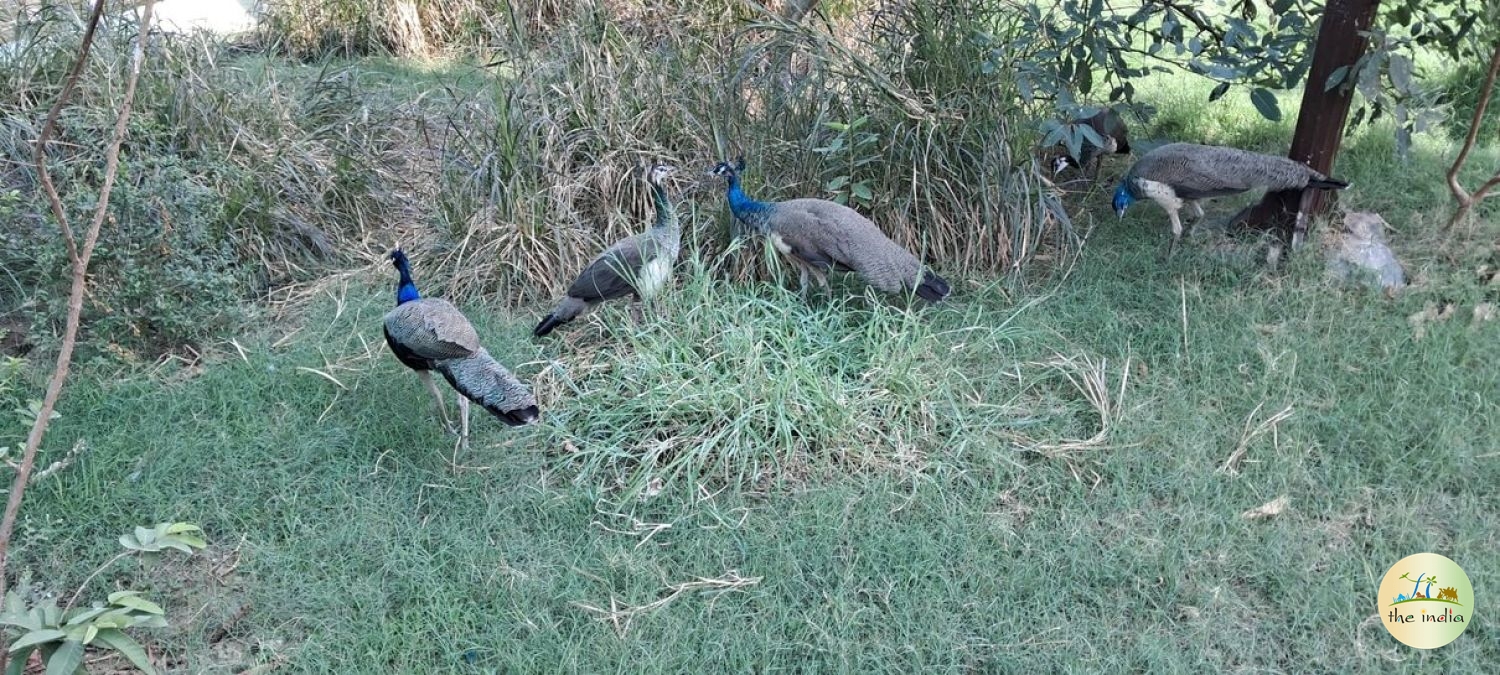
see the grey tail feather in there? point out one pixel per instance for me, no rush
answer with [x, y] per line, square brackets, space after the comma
[565, 311]
[547, 324]
[473, 366]
[933, 288]
[1327, 184]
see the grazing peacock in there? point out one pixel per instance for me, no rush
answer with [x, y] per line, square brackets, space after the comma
[1111, 129]
[818, 235]
[428, 334]
[1184, 173]
[638, 266]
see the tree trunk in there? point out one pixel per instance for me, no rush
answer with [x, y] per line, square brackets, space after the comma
[1320, 121]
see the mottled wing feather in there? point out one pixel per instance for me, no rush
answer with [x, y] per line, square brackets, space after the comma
[1201, 176]
[610, 274]
[819, 231]
[432, 328]
[833, 235]
[1198, 171]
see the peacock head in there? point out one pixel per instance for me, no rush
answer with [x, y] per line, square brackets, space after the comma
[657, 172]
[406, 289]
[728, 171]
[1062, 162]
[1123, 199]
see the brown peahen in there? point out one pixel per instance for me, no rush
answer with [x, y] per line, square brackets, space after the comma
[638, 266]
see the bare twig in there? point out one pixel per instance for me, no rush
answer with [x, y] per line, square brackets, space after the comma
[73, 600]
[78, 255]
[1465, 200]
[1252, 431]
[1182, 289]
[1194, 17]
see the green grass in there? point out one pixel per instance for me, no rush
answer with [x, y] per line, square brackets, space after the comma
[360, 551]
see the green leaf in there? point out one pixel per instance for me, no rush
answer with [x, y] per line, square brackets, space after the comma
[1401, 73]
[152, 621]
[115, 597]
[1087, 133]
[90, 634]
[66, 660]
[1218, 92]
[836, 183]
[1265, 103]
[862, 191]
[37, 637]
[127, 647]
[1054, 136]
[1336, 78]
[80, 616]
[17, 664]
[27, 620]
[51, 613]
[119, 617]
[137, 603]
[179, 528]
[14, 605]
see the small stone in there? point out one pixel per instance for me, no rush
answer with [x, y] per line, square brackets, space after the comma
[1357, 249]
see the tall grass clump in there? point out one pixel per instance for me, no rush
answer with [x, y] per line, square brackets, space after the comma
[536, 173]
[313, 28]
[747, 384]
[245, 176]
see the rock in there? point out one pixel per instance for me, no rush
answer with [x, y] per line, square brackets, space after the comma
[1356, 250]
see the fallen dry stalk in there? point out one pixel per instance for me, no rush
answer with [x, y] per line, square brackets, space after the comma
[1251, 432]
[1090, 378]
[1269, 509]
[620, 616]
[78, 255]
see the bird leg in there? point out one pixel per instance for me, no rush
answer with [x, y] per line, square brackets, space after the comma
[1198, 214]
[802, 281]
[438, 396]
[463, 433]
[1176, 231]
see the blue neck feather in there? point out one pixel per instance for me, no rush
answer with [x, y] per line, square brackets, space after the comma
[406, 289]
[1124, 196]
[748, 210]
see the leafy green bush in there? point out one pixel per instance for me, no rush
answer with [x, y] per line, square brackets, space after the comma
[227, 185]
[62, 634]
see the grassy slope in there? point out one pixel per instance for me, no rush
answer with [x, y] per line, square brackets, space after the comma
[362, 552]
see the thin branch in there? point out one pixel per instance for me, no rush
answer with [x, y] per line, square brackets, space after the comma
[80, 258]
[1465, 200]
[1194, 18]
[74, 600]
[1483, 190]
[48, 127]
